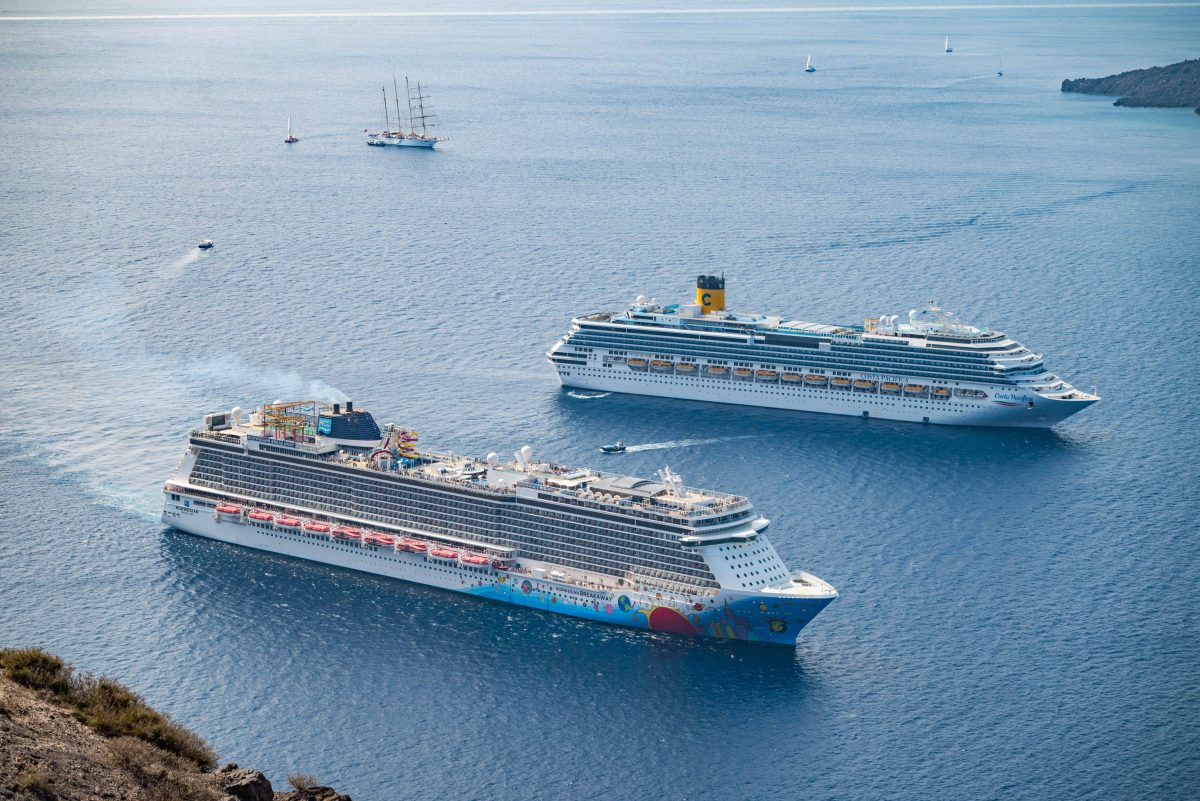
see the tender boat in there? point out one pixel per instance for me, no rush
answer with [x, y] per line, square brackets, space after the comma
[205, 244]
[616, 447]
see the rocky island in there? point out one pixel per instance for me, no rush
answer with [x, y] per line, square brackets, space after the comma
[1173, 86]
[71, 737]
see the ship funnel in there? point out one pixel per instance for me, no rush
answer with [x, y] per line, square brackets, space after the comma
[710, 293]
[349, 406]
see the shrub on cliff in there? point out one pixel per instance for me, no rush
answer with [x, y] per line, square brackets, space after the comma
[108, 707]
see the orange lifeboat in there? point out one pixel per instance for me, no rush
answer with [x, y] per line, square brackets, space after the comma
[767, 375]
[287, 522]
[890, 387]
[915, 389]
[840, 383]
[742, 372]
[472, 559]
[316, 528]
[344, 532]
[716, 369]
[941, 392]
[685, 367]
[412, 546]
[443, 553]
[228, 509]
[377, 538]
[791, 378]
[863, 385]
[814, 380]
[260, 516]
[636, 363]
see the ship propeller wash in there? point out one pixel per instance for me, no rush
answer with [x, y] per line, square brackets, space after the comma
[926, 366]
[323, 482]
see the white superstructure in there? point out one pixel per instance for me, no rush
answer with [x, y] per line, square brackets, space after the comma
[924, 366]
[324, 483]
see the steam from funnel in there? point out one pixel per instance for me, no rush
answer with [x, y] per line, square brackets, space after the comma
[493, 459]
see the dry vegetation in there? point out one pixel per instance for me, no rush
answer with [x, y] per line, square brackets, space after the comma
[107, 707]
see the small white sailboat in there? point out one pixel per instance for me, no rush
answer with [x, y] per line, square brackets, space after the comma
[1000, 71]
[808, 67]
[949, 49]
[290, 139]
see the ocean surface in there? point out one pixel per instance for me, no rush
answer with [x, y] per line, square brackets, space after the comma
[1018, 611]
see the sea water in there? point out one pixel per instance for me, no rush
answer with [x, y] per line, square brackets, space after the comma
[1017, 611]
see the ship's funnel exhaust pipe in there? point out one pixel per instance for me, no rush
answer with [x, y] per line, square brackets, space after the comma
[710, 293]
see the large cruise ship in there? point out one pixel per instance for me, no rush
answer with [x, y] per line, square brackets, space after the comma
[926, 366]
[324, 483]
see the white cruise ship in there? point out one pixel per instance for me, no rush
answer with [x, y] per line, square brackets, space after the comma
[324, 483]
[925, 366]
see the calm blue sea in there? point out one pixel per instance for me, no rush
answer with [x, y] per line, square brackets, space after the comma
[1018, 611]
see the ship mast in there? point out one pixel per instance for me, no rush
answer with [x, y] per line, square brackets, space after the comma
[399, 119]
[408, 93]
[421, 97]
[386, 122]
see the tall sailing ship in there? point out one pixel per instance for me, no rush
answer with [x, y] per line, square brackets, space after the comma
[926, 366]
[420, 117]
[323, 482]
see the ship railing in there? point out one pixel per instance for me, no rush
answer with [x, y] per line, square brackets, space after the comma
[654, 578]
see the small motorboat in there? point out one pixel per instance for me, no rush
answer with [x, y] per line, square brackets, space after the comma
[616, 447]
[205, 244]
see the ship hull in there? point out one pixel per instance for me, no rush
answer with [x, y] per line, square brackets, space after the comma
[1013, 410]
[726, 615]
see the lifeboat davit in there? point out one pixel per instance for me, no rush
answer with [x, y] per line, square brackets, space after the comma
[228, 509]
[472, 559]
[287, 522]
[262, 516]
[316, 528]
[443, 553]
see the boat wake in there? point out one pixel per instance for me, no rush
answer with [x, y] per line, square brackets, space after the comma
[588, 395]
[679, 443]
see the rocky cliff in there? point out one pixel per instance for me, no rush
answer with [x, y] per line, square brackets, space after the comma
[70, 737]
[1173, 86]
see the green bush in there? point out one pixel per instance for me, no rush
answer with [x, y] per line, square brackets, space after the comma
[37, 669]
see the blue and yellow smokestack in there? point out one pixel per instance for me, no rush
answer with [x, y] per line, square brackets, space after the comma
[710, 293]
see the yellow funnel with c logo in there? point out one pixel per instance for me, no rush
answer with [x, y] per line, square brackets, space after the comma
[710, 293]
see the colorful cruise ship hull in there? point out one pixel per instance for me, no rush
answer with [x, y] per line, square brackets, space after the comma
[726, 615]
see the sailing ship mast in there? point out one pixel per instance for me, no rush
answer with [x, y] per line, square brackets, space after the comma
[399, 119]
[386, 122]
[408, 93]
[421, 98]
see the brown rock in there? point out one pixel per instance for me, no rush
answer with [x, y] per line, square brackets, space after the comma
[246, 785]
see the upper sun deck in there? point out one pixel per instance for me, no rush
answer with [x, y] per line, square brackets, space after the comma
[664, 498]
[931, 325]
